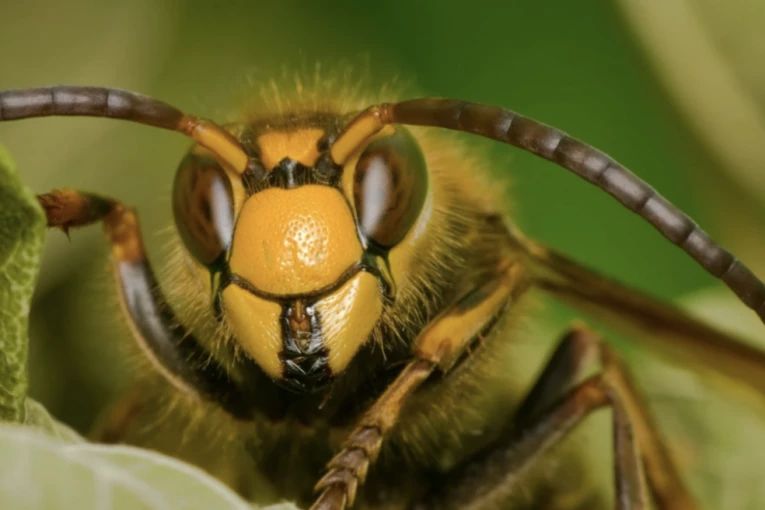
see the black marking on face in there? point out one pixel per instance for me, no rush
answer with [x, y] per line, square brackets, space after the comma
[219, 271]
[304, 356]
[378, 262]
[367, 264]
[290, 173]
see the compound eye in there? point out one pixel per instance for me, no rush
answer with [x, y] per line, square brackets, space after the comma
[203, 206]
[389, 187]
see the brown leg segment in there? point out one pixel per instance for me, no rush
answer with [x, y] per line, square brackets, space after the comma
[439, 346]
[667, 486]
[495, 472]
[490, 479]
[176, 354]
[562, 372]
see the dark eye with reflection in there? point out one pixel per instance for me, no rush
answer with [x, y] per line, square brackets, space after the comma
[203, 207]
[389, 188]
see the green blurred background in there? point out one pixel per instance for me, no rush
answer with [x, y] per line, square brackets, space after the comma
[667, 88]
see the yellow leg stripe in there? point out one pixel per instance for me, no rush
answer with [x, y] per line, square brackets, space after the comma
[446, 338]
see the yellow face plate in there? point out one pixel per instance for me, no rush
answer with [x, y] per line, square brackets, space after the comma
[348, 316]
[294, 241]
[255, 322]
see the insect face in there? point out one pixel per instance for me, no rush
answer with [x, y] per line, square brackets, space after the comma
[298, 251]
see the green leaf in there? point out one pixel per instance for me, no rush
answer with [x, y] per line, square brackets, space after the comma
[22, 230]
[40, 473]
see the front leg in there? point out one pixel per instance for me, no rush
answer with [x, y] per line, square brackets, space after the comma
[439, 346]
[171, 349]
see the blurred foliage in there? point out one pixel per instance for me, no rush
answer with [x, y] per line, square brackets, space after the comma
[628, 77]
[703, 53]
